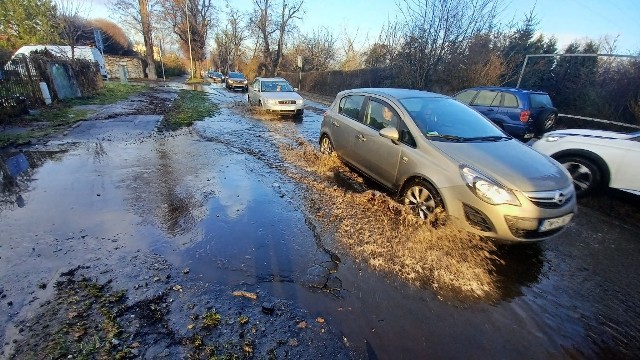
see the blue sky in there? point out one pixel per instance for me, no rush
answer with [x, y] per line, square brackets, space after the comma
[567, 20]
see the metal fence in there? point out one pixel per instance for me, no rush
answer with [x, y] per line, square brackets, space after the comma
[19, 87]
[20, 81]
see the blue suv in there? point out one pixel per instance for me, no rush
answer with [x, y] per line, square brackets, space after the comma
[521, 113]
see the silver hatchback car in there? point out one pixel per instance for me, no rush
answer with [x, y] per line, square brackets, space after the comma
[433, 151]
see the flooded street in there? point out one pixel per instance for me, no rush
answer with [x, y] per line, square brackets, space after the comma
[242, 202]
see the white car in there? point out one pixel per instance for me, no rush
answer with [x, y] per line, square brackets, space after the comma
[275, 95]
[595, 158]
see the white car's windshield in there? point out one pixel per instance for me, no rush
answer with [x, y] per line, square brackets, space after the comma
[448, 119]
[275, 86]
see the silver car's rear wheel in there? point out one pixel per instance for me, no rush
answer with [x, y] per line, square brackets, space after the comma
[422, 198]
[326, 147]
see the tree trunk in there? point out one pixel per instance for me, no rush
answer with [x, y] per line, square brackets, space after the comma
[148, 40]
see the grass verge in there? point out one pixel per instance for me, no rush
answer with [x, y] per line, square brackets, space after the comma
[189, 106]
[43, 124]
[61, 115]
[112, 92]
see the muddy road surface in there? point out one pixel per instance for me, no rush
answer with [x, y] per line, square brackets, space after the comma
[236, 238]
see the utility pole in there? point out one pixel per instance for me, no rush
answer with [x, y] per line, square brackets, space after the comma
[161, 61]
[186, 10]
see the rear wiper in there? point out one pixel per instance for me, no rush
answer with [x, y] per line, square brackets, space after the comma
[489, 138]
[447, 137]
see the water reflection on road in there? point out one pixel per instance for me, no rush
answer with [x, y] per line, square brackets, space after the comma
[217, 199]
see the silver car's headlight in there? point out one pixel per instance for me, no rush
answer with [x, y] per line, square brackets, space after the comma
[486, 189]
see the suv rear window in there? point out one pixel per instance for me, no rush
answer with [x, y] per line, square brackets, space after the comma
[350, 106]
[540, 100]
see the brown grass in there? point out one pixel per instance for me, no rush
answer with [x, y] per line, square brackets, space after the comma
[375, 229]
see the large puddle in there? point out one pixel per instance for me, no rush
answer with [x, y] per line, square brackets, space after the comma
[247, 202]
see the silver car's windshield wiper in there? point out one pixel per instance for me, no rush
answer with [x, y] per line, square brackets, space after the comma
[489, 138]
[447, 137]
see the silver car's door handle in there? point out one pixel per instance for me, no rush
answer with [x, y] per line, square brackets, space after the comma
[335, 123]
[360, 137]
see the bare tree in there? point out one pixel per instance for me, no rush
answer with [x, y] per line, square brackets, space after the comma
[318, 50]
[191, 21]
[145, 19]
[138, 15]
[351, 57]
[272, 28]
[73, 22]
[435, 30]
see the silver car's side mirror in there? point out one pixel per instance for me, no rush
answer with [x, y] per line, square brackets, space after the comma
[390, 133]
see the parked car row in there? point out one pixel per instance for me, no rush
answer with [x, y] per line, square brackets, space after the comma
[435, 152]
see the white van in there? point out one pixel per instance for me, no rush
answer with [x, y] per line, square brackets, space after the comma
[79, 52]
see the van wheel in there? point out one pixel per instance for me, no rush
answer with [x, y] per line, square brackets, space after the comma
[422, 198]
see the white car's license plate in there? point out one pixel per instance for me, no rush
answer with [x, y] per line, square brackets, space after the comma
[555, 223]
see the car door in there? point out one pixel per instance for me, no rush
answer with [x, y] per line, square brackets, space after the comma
[254, 92]
[627, 173]
[487, 102]
[510, 114]
[375, 155]
[343, 124]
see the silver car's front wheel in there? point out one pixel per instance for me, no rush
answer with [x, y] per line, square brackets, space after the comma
[422, 198]
[326, 147]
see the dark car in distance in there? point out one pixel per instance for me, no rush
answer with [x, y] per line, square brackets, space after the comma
[521, 113]
[237, 81]
[215, 76]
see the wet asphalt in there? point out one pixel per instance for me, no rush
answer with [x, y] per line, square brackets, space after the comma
[215, 199]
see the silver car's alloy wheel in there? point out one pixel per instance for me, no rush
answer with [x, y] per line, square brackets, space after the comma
[421, 199]
[326, 147]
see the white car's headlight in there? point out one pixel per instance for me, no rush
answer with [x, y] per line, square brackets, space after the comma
[486, 189]
[272, 102]
[301, 101]
[554, 137]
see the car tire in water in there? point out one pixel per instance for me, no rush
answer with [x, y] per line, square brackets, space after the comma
[422, 198]
[587, 176]
[326, 146]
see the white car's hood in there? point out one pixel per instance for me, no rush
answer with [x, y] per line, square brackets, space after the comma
[590, 133]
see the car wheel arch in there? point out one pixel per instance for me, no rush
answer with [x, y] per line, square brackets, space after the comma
[589, 155]
[418, 177]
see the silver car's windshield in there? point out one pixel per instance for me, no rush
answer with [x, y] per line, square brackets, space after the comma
[449, 120]
[275, 86]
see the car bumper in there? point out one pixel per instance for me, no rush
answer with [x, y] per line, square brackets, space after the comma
[284, 108]
[237, 86]
[508, 223]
